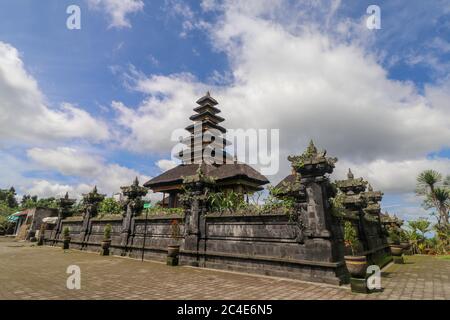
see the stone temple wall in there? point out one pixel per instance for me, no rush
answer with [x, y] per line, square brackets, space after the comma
[263, 244]
[305, 244]
[267, 244]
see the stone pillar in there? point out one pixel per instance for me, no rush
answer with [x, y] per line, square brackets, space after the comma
[312, 167]
[91, 201]
[354, 203]
[64, 210]
[195, 204]
[133, 206]
[373, 210]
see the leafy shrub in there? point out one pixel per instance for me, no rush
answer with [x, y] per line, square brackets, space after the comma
[158, 210]
[350, 237]
[109, 206]
[226, 201]
[394, 235]
[66, 232]
[107, 232]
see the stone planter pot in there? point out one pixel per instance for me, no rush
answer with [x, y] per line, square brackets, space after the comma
[396, 250]
[106, 244]
[356, 266]
[405, 245]
[173, 251]
[66, 243]
[172, 255]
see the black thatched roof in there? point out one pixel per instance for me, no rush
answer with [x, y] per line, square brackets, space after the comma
[207, 99]
[290, 179]
[225, 171]
[234, 170]
[206, 114]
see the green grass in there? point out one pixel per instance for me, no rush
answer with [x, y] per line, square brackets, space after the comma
[446, 257]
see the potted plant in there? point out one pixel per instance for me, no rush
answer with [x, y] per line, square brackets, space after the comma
[174, 248]
[106, 243]
[356, 264]
[66, 238]
[404, 240]
[396, 248]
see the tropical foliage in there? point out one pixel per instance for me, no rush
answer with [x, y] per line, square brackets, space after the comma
[109, 206]
[231, 202]
[158, 210]
[107, 232]
[435, 191]
[351, 237]
[66, 232]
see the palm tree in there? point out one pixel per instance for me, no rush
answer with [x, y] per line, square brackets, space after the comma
[428, 179]
[436, 196]
[442, 199]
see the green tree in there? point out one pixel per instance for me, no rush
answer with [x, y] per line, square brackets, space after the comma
[110, 206]
[420, 227]
[430, 184]
[5, 210]
[11, 198]
[47, 203]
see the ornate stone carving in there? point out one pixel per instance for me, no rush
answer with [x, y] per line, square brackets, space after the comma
[91, 201]
[64, 206]
[313, 163]
[313, 189]
[133, 203]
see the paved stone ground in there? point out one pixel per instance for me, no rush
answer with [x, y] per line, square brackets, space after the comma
[31, 272]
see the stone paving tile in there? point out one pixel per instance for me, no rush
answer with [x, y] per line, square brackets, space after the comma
[31, 272]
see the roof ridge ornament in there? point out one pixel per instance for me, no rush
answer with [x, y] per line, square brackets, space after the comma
[350, 174]
[312, 163]
[312, 150]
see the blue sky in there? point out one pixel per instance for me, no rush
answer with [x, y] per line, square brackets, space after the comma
[137, 78]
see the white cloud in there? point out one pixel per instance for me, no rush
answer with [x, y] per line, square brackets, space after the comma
[165, 165]
[302, 80]
[117, 10]
[167, 107]
[47, 189]
[392, 176]
[87, 168]
[25, 115]
[67, 161]
[181, 11]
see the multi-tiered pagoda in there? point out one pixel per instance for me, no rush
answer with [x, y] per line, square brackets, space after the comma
[205, 150]
[206, 143]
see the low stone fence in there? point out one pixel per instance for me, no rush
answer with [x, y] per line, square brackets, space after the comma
[156, 231]
[264, 244]
[270, 245]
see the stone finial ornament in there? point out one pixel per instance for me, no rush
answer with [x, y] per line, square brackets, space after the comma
[350, 174]
[134, 190]
[64, 205]
[93, 197]
[312, 162]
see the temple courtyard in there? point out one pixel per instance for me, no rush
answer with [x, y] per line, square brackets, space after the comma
[31, 272]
